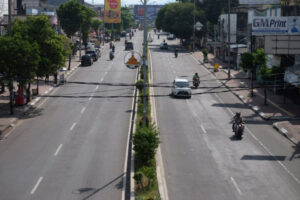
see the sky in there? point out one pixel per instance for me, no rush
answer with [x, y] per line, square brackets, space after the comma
[132, 2]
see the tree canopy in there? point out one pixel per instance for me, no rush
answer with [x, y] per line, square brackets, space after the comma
[178, 18]
[69, 16]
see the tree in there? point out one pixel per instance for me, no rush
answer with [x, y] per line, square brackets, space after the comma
[85, 22]
[127, 19]
[69, 16]
[247, 63]
[19, 59]
[51, 46]
[178, 18]
[96, 24]
[260, 60]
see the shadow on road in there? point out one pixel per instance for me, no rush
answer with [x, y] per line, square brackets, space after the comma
[263, 157]
[94, 191]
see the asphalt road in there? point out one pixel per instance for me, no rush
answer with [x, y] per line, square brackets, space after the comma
[74, 145]
[201, 159]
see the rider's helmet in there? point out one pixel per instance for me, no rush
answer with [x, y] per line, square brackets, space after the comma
[238, 114]
[196, 74]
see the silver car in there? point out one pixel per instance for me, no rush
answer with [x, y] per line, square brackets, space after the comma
[181, 88]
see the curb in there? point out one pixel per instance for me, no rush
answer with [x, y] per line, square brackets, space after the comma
[285, 133]
[282, 131]
[30, 106]
[241, 97]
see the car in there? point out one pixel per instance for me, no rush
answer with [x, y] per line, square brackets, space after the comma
[118, 38]
[95, 53]
[181, 88]
[171, 37]
[128, 46]
[164, 45]
[86, 60]
[123, 34]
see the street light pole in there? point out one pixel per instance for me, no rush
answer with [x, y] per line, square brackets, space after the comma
[228, 39]
[194, 21]
[144, 60]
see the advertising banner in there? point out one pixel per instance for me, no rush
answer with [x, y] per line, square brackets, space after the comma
[112, 11]
[259, 2]
[276, 25]
[152, 11]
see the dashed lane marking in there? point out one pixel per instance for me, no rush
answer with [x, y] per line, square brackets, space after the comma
[82, 110]
[58, 149]
[36, 185]
[72, 127]
[236, 185]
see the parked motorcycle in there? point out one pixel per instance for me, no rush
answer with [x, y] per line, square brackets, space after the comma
[196, 82]
[238, 130]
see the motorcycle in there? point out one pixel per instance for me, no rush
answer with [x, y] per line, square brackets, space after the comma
[196, 82]
[238, 130]
[176, 54]
[111, 56]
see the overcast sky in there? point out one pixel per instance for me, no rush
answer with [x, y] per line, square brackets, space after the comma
[130, 2]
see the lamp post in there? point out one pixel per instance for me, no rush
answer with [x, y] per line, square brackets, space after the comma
[194, 25]
[144, 59]
[228, 40]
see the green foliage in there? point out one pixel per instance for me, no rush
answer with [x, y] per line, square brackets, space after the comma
[86, 17]
[127, 19]
[52, 48]
[145, 142]
[247, 61]
[177, 18]
[96, 24]
[260, 58]
[69, 16]
[140, 84]
[19, 58]
[205, 52]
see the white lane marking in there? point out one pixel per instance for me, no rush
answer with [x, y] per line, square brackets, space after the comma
[90, 98]
[74, 124]
[36, 185]
[236, 185]
[203, 129]
[254, 137]
[82, 110]
[58, 149]
[101, 79]
[162, 185]
[97, 87]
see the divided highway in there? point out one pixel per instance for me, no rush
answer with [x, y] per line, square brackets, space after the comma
[74, 145]
[201, 159]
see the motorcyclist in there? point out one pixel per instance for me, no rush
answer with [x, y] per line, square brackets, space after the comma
[110, 45]
[176, 52]
[111, 55]
[237, 119]
[196, 77]
[113, 48]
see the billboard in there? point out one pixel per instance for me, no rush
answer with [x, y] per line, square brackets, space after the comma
[258, 2]
[276, 25]
[112, 11]
[282, 44]
[152, 11]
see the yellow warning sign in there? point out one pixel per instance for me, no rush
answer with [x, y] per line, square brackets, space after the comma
[132, 61]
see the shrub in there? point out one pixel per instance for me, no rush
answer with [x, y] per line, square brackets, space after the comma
[145, 142]
[140, 84]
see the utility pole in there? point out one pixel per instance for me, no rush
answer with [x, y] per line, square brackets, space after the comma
[144, 60]
[229, 40]
[194, 21]
[11, 80]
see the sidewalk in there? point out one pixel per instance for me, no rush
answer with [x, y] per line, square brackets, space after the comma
[286, 116]
[7, 121]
